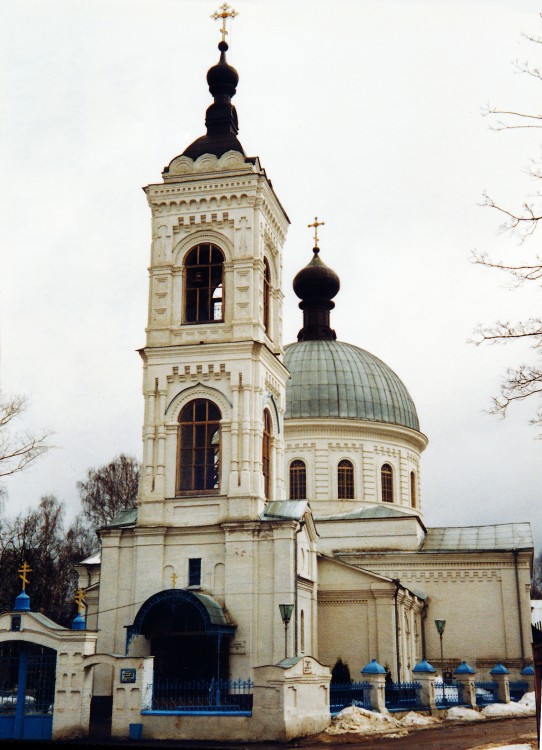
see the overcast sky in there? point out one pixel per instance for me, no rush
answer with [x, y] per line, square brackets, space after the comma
[365, 113]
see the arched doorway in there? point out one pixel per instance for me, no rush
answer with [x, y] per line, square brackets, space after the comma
[188, 633]
[27, 690]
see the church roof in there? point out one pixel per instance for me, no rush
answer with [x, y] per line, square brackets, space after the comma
[498, 537]
[294, 509]
[338, 380]
[373, 511]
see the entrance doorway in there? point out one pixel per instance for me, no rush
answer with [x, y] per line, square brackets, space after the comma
[27, 690]
[182, 647]
[188, 633]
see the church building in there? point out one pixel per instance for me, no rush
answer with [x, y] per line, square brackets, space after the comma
[280, 475]
[280, 507]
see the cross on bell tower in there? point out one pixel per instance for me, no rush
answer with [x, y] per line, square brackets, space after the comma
[224, 12]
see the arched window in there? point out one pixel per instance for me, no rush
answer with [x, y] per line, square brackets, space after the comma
[345, 477]
[203, 283]
[266, 296]
[266, 454]
[198, 447]
[413, 489]
[298, 480]
[386, 476]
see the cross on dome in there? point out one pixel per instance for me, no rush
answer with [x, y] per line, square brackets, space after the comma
[80, 600]
[23, 570]
[224, 12]
[316, 224]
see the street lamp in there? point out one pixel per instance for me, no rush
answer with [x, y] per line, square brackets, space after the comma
[440, 625]
[286, 614]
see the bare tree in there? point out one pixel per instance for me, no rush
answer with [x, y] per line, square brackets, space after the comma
[524, 380]
[17, 449]
[40, 538]
[109, 489]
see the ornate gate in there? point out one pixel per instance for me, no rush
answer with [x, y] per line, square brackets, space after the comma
[27, 690]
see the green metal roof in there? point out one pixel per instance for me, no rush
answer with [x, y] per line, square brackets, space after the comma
[503, 536]
[338, 380]
[373, 511]
[126, 517]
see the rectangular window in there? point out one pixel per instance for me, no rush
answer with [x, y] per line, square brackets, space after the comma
[194, 571]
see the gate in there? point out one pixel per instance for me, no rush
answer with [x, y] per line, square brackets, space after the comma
[27, 691]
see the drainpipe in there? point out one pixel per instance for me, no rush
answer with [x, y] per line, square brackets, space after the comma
[424, 618]
[520, 621]
[397, 583]
[296, 615]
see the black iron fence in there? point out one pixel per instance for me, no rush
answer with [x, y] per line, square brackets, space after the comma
[343, 694]
[203, 696]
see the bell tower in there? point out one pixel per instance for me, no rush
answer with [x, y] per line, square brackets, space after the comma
[214, 382]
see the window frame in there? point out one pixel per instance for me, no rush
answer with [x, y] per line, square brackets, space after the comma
[266, 453]
[386, 483]
[267, 297]
[207, 466]
[205, 267]
[413, 490]
[297, 472]
[345, 480]
[194, 571]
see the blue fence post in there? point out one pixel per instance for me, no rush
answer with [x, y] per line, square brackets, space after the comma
[425, 674]
[465, 676]
[501, 676]
[375, 674]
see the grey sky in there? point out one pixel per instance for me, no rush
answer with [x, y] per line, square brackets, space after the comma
[367, 114]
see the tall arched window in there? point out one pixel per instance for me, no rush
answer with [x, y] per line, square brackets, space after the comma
[266, 454]
[266, 296]
[203, 284]
[198, 447]
[298, 480]
[386, 476]
[413, 489]
[345, 477]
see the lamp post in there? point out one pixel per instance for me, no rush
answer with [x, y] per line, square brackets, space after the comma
[286, 614]
[440, 625]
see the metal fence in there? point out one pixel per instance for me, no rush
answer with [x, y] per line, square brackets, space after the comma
[203, 696]
[486, 693]
[343, 694]
[402, 696]
[518, 690]
[448, 694]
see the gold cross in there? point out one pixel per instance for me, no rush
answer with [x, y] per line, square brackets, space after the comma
[80, 600]
[23, 570]
[227, 12]
[174, 579]
[316, 224]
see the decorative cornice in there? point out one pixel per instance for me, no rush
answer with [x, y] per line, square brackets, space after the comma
[228, 162]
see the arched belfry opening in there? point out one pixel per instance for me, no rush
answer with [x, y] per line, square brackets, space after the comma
[188, 634]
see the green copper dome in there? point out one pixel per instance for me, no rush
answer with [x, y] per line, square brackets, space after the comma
[337, 380]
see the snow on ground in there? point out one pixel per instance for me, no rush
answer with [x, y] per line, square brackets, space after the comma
[510, 747]
[355, 720]
[460, 713]
[360, 721]
[524, 707]
[412, 719]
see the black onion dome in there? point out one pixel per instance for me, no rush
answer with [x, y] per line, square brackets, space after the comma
[316, 285]
[222, 78]
[221, 117]
[316, 280]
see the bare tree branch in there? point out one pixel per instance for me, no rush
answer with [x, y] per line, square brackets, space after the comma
[17, 450]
